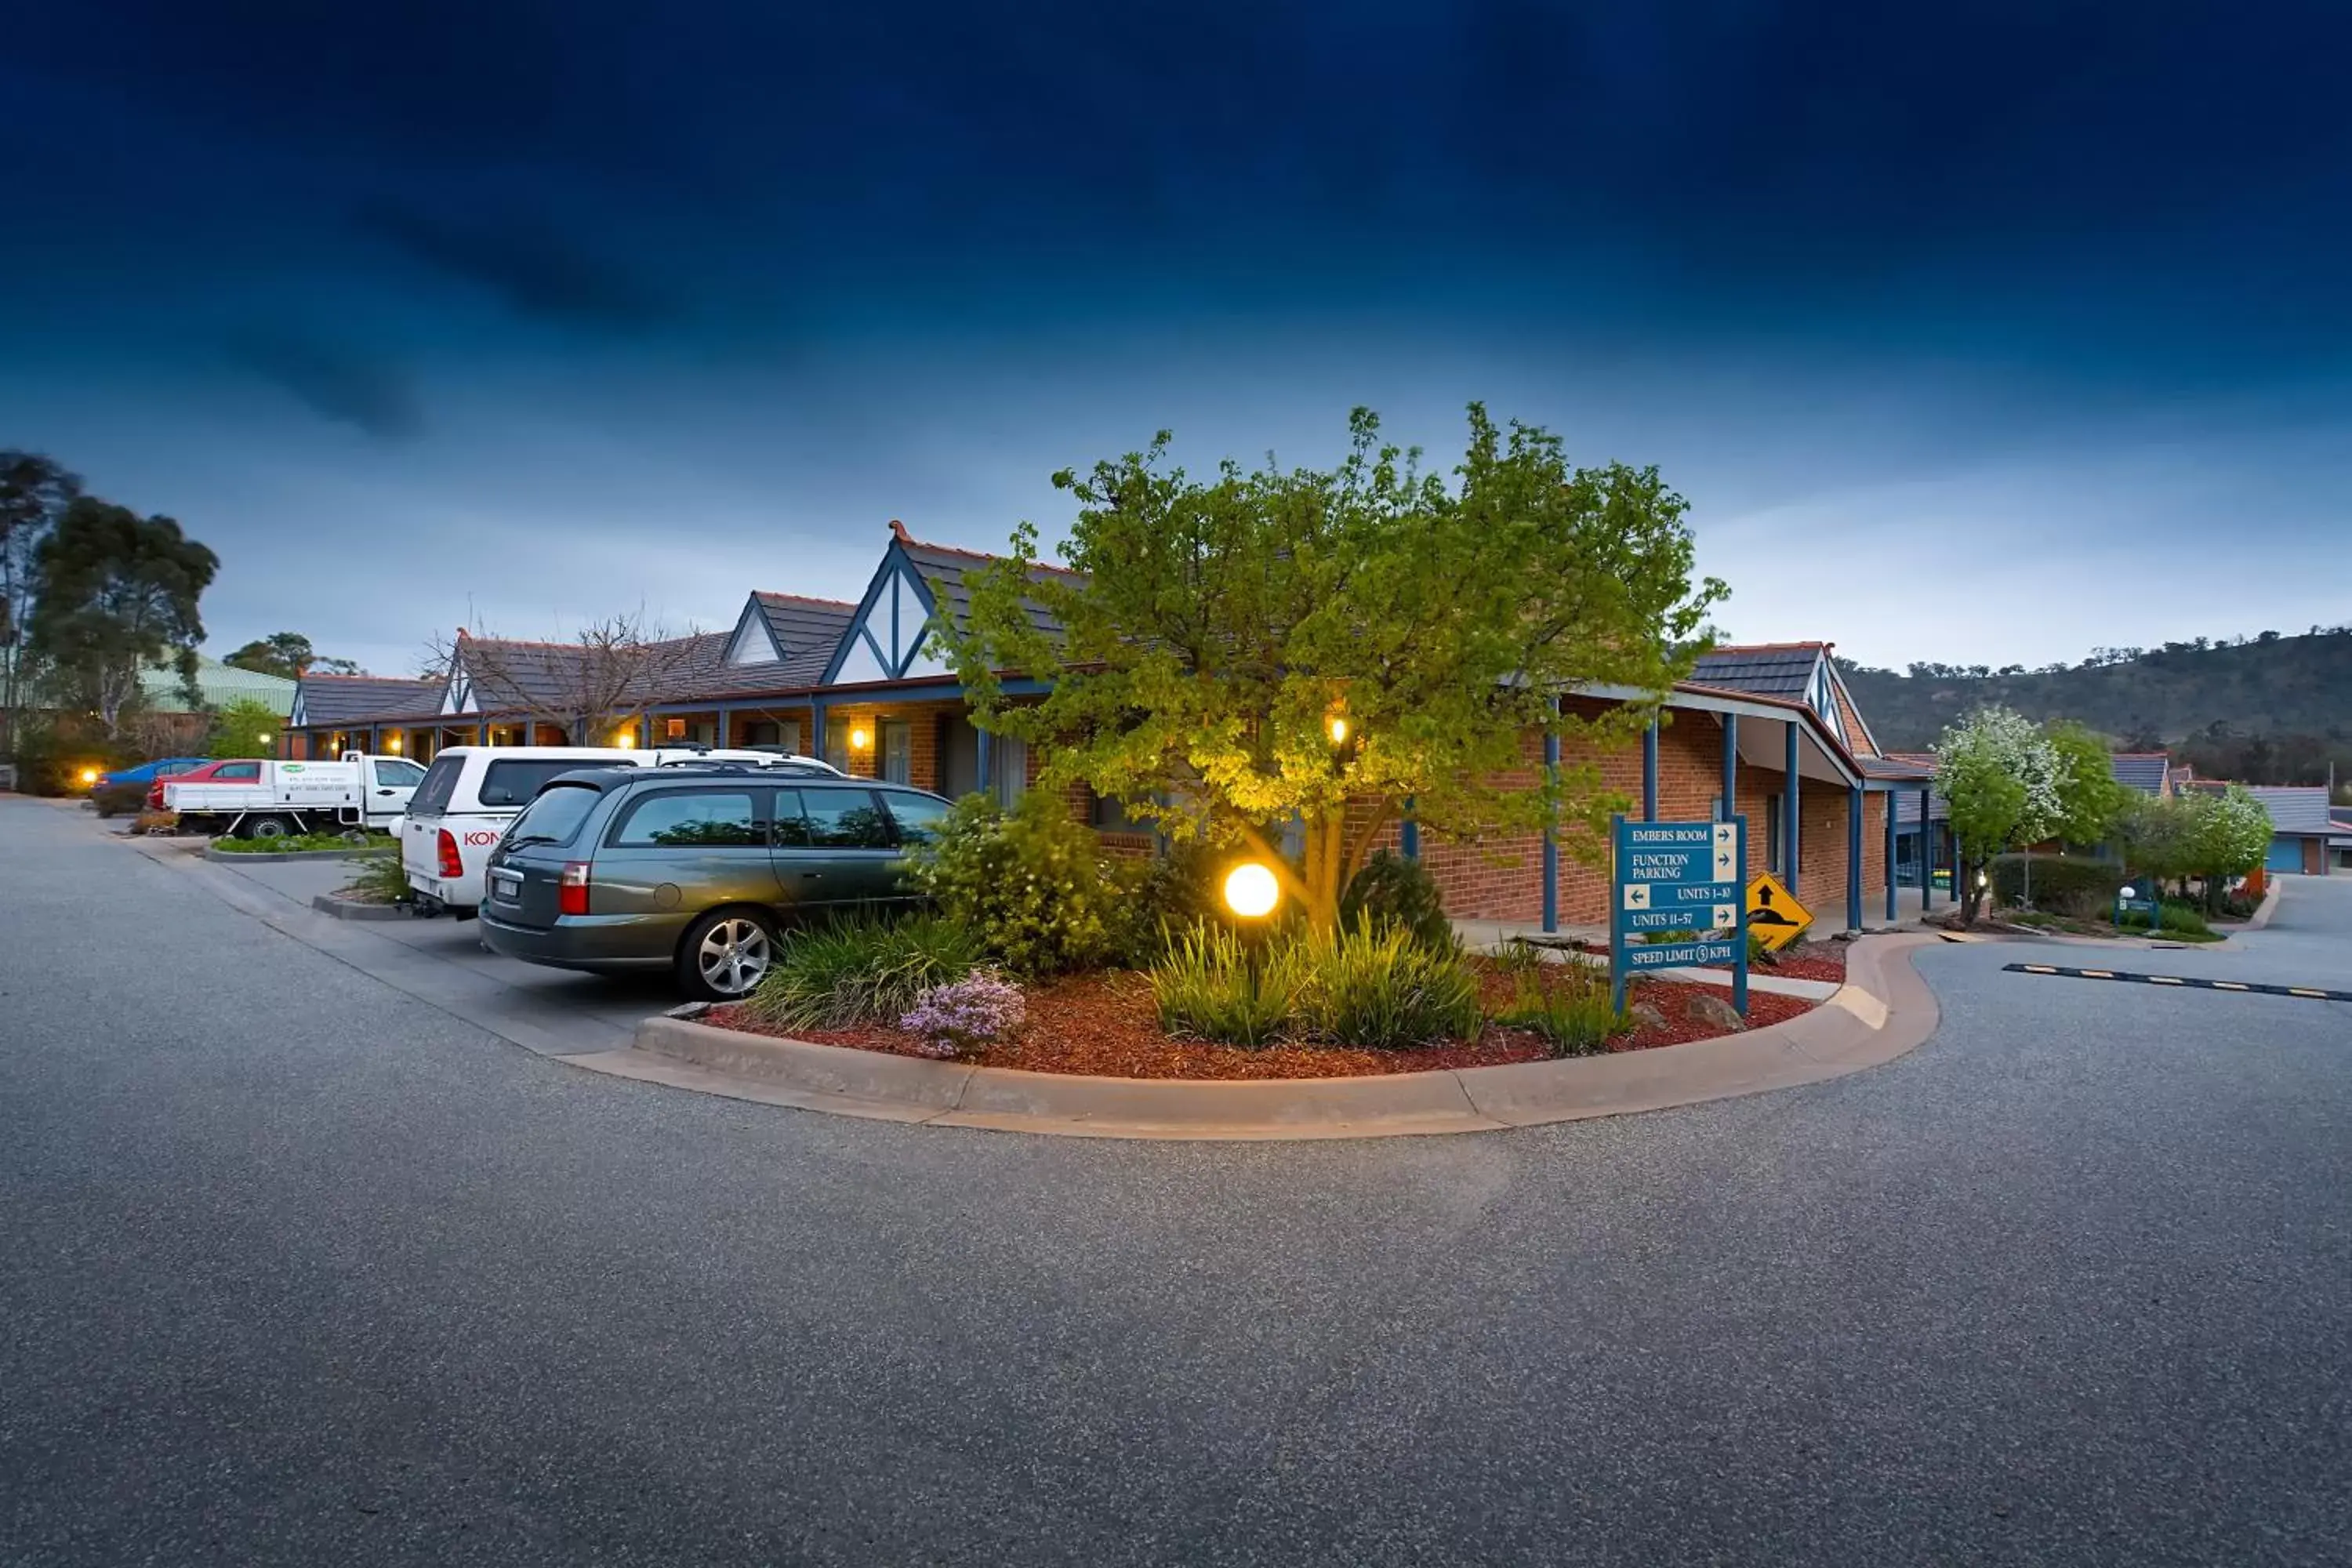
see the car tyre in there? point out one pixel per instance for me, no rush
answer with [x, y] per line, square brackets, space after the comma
[270, 827]
[726, 954]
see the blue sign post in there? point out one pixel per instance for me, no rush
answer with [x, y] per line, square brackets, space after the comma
[1681, 881]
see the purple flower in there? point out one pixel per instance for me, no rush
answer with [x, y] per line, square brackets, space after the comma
[965, 1013]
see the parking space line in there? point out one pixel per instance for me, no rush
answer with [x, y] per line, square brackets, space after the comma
[2309, 992]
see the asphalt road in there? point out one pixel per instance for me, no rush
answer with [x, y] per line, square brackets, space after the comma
[297, 1269]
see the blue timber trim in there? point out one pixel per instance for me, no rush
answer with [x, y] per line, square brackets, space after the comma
[987, 767]
[1409, 836]
[1853, 859]
[725, 726]
[1893, 910]
[1650, 771]
[816, 720]
[1551, 835]
[1789, 861]
[894, 561]
[1928, 857]
[882, 661]
[1731, 769]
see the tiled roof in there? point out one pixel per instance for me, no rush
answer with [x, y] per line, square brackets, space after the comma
[1897, 768]
[943, 568]
[802, 623]
[341, 700]
[2294, 808]
[1762, 669]
[2143, 770]
[216, 683]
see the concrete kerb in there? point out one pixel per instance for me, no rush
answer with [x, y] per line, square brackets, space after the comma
[1883, 1011]
[352, 909]
[262, 856]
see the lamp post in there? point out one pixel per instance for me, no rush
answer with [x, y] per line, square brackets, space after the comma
[1251, 890]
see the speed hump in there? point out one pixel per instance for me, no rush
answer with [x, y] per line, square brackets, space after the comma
[1775, 918]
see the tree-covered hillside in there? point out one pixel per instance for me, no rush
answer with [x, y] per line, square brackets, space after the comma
[2272, 704]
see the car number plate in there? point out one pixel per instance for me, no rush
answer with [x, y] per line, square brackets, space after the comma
[506, 886]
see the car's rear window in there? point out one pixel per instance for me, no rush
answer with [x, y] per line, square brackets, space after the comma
[431, 797]
[554, 814]
[513, 783]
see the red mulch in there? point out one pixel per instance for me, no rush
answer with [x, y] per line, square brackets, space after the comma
[1805, 961]
[1105, 1024]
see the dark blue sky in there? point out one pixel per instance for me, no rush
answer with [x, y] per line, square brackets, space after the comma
[1980, 333]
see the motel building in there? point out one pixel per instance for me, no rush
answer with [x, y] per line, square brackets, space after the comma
[1770, 732]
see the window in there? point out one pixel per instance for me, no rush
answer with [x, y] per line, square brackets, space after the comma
[1011, 766]
[918, 816]
[513, 783]
[1109, 815]
[898, 752]
[673, 729]
[238, 773]
[554, 817]
[836, 742]
[440, 783]
[393, 774]
[845, 819]
[1775, 830]
[702, 818]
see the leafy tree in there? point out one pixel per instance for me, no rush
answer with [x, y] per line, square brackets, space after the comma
[118, 593]
[2001, 774]
[243, 727]
[288, 654]
[1308, 647]
[2232, 836]
[2160, 838]
[2090, 801]
[34, 493]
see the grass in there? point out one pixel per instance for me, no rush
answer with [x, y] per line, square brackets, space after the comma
[296, 842]
[377, 878]
[1567, 1003]
[1368, 987]
[869, 971]
[1212, 985]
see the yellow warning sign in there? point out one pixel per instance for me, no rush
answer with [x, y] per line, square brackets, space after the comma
[1774, 916]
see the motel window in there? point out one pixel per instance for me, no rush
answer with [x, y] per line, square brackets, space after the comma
[836, 742]
[1775, 830]
[1010, 763]
[898, 752]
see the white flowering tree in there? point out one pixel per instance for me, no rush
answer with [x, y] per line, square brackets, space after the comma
[2001, 774]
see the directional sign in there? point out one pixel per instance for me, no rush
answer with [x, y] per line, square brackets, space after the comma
[1677, 899]
[1774, 914]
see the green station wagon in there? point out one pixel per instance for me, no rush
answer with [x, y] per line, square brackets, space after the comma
[695, 868]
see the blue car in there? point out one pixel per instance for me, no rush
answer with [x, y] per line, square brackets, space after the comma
[148, 772]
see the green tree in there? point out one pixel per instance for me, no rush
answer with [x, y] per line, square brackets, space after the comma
[2090, 801]
[2160, 836]
[117, 593]
[34, 493]
[2233, 834]
[287, 653]
[2000, 772]
[1270, 647]
[243, 727]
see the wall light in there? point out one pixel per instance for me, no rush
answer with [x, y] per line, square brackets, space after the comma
[89, 775]
[1338, 727]
[860, 737]
[391, 743]
[626, 740]
[1251, 890]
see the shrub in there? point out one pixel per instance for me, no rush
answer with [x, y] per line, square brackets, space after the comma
[1381, 986]
[1210, 984]
[1570, 1009]
[119, 799]
[964, 1014]
[1759, 952]
[1033, 884]
[2068, 884]
[851, 972]
[2171, 915]
[1174, 891]
[1390, 889]
[377, 878]
[157, 822]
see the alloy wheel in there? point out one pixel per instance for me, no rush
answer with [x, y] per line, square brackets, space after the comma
[734, 956]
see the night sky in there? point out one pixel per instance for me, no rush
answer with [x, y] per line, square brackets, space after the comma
[1981, 333]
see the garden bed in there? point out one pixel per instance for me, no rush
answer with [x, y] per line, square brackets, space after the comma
[1806, 961]
[1104, 1024]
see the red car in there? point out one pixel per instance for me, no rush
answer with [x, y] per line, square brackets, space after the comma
[233, 770]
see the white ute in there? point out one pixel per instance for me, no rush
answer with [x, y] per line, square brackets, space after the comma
[359, 792]
[471, 793]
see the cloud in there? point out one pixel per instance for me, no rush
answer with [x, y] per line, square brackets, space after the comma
[535, 270]
[375, 395]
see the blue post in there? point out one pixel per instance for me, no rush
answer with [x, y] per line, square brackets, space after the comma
[1551, 839]
[726, 725]
[1927, 855]
[987, 785]
[1739, 925]
[1410, 833]
[1894, 911]
[1731, 769]
[817, 717]
[1650, 771]
[1853, 859]
[1788, 816]
[1616, 915]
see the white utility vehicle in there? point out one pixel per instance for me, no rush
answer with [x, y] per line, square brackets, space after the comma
[471, 793]
[359, 792]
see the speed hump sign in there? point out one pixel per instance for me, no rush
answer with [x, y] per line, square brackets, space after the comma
[1775, 918]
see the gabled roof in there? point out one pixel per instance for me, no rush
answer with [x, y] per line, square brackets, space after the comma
[942, 569]
[802, 625]
[347, 700]
[2294, 808]
[2142, 771]
[1761, 669]
[216, 683]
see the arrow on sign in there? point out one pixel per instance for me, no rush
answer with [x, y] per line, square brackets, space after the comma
[1637, 895]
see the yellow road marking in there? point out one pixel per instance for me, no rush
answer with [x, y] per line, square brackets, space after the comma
[2162, 979]
[2305, 990]
[2230, 985]
[2096, 973]
[2040, 969]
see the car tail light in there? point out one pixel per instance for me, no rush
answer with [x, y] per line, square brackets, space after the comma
[571, 888]
[155, 796]
[451, 864]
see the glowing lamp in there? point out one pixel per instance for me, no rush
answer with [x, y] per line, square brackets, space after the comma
[391, 743]
[90, 775]
[626, 740]
[1338, 727]
[860, 737]
[1251, 890]
[2127, 893]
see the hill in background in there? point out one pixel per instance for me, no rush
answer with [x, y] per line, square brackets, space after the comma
[2267, 709]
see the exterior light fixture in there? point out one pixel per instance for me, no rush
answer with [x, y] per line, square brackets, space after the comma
[391, 743]
[1338, 727]
[626, 740]
[1251, 890]
[860, 737]
[90, 775]
[1982, 880]
[2126, 894]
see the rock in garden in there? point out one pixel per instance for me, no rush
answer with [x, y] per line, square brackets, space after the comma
[1713, 1012]
[1645, 1016]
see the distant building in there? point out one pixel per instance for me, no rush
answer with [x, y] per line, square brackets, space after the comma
[219, 684]
[2302, 828]
[2151, 773]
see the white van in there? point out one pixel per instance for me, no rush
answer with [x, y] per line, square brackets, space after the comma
[471, 793]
